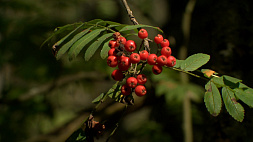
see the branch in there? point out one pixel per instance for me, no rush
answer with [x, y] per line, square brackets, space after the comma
[134, 21]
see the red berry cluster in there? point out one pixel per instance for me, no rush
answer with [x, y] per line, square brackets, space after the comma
[122, 55]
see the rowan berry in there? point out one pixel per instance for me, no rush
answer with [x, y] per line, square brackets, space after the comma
[152, 59]
[142, 33]
[171, 61]
[158, 39]
[112, 43]
[117, 75]
[166, 51]
[124, 63]
[144, 55]
[161, 60]
[125, 90]
[140, 90]
[156, 69]
[131, 82]
[130, 46]
[165, 43]
[141, 79]
[120, 40]
[116, 35]
[112, 61]
[134, 58]
[112, 52]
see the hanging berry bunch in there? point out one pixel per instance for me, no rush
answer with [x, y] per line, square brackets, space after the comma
[131, 60]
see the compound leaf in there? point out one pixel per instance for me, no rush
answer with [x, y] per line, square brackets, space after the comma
[82, 42]
[59, 30]
[66, 46]
[212, 99]
[95, 45]
[234, 108]
[194, 62]
[98, 99]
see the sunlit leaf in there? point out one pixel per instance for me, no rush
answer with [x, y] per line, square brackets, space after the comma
[212, 99]
[218, 81]
[234, 108]
[105, 49]
[59, 30]
[95, 45]
[82, 42]
[178, 64]
[195, 61]
[66, 46]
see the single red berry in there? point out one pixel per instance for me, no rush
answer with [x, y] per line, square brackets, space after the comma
[142, 33]
[156, 69]
[165, 43]
[126, 90]
[134, 58]
[161, 60]
[117, 75]
[141, 79]
[131, 82]
[124, 63]
[116, 35]
[140, 90]
[112, 43]
[166, 51]
[158, 39]
[171, 61]
[120, 40]
[152, 59]
[112, 52]
[130, 46]
[112, 61]
[144, 55]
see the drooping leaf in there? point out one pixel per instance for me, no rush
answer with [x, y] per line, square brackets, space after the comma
[212, 99]
[105, 49]
[234, 108]
[82, 42]
[133, 27]
[95, 45]
[98, 99]
[194, 62]
[59, 30]
[231, 81]
[66, 46]
[245, 95]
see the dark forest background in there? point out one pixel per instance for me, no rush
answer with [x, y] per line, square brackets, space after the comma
[44, 99]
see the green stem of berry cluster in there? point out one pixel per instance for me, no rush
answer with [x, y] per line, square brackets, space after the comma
[192, 74]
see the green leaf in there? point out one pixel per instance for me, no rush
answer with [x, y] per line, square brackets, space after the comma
[95, 45]
[67, 36]
[105, 49]
[133, 27]
[218, 81]
[212, 99]
[62, 29]
[234, 108]
[66, 46]
[195, 61]
[82, 42]
[178, 63]
[98, 99]
[245, 95]
[232, 79]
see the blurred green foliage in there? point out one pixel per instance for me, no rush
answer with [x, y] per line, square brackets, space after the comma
[39, 96]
